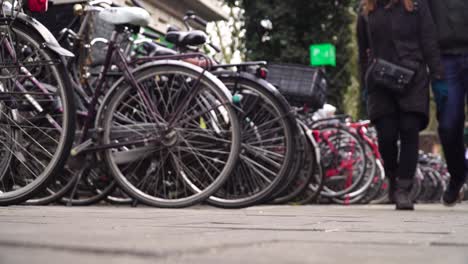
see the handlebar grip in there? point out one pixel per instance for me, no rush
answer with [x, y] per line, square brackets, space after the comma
[200, 21]
[151, 35]
[216, 48]
[137, 3]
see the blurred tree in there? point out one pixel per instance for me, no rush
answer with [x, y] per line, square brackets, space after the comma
[296, 25]
[354, 101]
[228, 36]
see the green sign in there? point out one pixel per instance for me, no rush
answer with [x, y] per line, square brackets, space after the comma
[323, 54]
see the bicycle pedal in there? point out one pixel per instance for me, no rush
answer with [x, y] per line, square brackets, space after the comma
[81, 147]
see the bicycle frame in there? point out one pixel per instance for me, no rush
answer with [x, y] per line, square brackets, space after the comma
[24, 73]
[124, 65]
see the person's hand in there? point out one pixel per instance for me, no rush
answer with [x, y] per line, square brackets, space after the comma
[440, 91]
[437, 81]
[439, 86]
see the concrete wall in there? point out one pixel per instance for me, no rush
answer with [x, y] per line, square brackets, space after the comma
[171, 12]
[165, 12]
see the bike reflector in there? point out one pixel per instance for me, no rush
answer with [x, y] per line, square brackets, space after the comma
[39, 6]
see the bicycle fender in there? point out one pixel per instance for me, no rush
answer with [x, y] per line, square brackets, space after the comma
[195, 68]
[50, 41]
[160, 63]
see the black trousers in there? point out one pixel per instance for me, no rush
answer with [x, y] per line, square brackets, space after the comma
[400, 162]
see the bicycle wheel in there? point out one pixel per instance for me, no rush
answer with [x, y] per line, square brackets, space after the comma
[55, 190]
[36, 114]
[316, 183]
[178, 135]
[382, 196]
[417, 188]
[356, 195]
[289, 179]
[440, 187]
[267, 147]
[376, 186]
[304, 162]
[344, 160]
[119, 197]
[92, 184]
[429, 185]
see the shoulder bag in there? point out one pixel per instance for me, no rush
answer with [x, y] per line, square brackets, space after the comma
[393, 77]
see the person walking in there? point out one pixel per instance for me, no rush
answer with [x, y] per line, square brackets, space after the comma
[451, 18]
[398, 56]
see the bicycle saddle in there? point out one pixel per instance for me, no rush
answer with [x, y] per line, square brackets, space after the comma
[125, 15]
[191, 38]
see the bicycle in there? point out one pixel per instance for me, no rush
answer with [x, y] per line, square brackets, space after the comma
[166, 130]
[36, 106]
[374, 175]
[266, 126]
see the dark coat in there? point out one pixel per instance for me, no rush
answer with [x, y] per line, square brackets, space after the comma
[451, 18]
[400, 36]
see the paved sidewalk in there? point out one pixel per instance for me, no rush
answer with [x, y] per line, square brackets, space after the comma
[267, 234]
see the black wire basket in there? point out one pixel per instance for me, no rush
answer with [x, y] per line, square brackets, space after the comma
[300, 84]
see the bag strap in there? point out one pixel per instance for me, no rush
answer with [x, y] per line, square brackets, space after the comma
[369, 39]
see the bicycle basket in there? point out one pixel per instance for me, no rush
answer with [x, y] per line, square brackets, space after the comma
[102, 29]
[299, 84]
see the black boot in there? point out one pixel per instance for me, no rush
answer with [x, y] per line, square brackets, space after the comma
[403, 200]
[454, 194]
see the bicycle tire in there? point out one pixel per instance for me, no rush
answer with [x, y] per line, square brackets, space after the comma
[376, 186]
[180, 168]
[241, 190]
[60, 107]
[356, 195]
[312, 193]
[357, 142]
[94, 186]
[55, 190]
[304, 170]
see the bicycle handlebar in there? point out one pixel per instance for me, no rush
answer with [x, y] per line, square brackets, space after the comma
[190, 15]
[216, 48]
[137, 3]
[150, 35]
[200, 21]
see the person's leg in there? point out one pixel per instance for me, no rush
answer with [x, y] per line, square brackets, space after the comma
[451, 125]
[387, 131]
[409, 124]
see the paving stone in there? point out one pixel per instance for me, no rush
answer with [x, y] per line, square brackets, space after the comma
[264, 234]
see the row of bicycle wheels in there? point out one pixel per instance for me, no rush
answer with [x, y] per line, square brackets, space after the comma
[164, 132]
[166, 144]
[362, 179]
